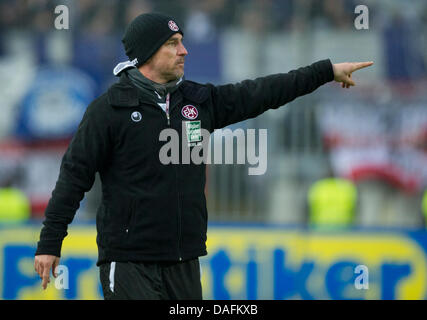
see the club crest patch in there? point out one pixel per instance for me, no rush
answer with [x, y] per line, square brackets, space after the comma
[173, 26]
[190, 112]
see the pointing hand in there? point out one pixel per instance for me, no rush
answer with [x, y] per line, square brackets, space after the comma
[343, 71]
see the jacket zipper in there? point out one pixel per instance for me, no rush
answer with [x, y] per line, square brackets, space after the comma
[131, 214]
[179, 224]
[167, 108]
[176, 183]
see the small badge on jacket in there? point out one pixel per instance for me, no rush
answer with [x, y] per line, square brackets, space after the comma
[190, 112]
[136, 116]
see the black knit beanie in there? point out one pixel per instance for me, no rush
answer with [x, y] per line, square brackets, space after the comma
[146, 34]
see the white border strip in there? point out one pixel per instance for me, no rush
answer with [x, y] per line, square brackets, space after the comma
[112, 270]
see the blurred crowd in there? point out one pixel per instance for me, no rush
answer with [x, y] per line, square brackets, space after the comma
[105, 16]
[97, 26]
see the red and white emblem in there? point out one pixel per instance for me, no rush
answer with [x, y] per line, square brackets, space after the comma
[173, 26]
[190, 112]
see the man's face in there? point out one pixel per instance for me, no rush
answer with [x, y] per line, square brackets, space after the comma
[168, 61]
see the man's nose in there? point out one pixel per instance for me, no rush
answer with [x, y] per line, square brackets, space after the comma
[182, 51]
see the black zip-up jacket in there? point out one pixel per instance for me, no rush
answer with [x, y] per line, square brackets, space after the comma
[150, 211]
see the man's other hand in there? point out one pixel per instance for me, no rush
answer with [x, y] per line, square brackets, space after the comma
[43, 264]
[343, 71]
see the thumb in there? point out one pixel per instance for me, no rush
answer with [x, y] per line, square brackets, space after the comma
[350, 81]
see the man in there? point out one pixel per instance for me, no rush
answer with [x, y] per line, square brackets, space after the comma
[151, 224]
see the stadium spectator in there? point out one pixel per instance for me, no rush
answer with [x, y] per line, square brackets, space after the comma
[332, 203]
[424, 207]
[404, 61]
[14, 204]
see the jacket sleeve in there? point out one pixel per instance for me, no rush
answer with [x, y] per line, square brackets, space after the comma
[85, 156]
[237, 102]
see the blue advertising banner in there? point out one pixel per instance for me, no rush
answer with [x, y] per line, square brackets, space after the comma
[54, 104]
[244, 262]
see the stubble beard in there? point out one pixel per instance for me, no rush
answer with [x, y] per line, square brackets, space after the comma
[172, 75]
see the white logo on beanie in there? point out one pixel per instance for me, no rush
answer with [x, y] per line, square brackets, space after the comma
[173, 26]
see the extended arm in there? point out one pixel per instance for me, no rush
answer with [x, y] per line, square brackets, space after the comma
[237, 102]
[83, 158]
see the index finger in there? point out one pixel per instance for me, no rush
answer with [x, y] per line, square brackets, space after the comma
[361, 65]
[45, 277]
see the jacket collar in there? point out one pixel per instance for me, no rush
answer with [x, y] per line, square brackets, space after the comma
[125, 94]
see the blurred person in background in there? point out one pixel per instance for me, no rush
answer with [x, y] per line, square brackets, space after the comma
[332, 203]
[424, 207]
[403, 48]
[152, 221]
[14, 203]
[95, 39]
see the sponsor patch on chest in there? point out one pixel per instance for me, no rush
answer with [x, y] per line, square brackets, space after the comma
[194, 132]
